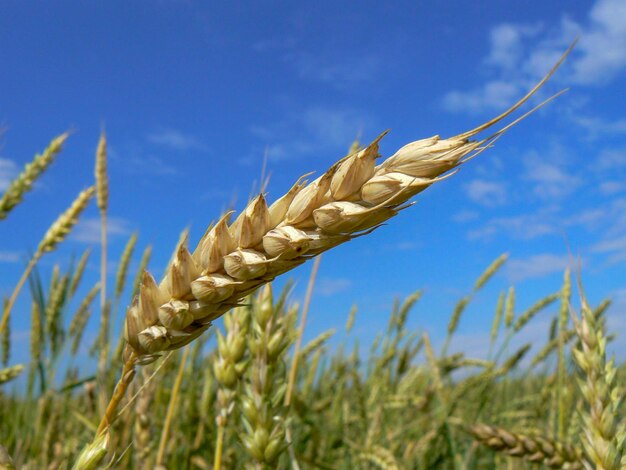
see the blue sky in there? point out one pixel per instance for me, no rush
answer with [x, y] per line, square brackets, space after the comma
[193, 94]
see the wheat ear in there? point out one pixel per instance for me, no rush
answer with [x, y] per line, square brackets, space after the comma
[534, 449]
[102, 200]
[33, 170]
[234, 259]
[57, 232]
[229, 365]
[8, 374]
[605, 436]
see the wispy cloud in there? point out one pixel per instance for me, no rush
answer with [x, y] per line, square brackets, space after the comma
[603, 43]
[465, 216]
[309, 131]
[596, 126]
[10, 257]
[523, 226]
[614, 248]
[331, 286]
[486, 193]
[323, 65]
[8, 171]
[609, 160]
[535, 266]
[339, 73]
[549, 179]
[136, 161]
[497, 94]
[177, 140]
[609, 188]
[88, 229]
[521, 53]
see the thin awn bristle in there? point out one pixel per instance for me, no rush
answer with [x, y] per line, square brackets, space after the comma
[523, 100]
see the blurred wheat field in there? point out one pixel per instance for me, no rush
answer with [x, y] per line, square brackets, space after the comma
[251, 395]
[398, 405]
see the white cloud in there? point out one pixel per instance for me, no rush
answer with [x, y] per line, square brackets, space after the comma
[614, 248]
[331, 286]
[549, 179]
[612, 187]
[465, 216]
[10, 257]
[596, 126]
[496, 94]
[506, 44]
[536, 266]
[88, 229]
[8, 171]
[135, 161]
[610, 160]
[521, 53]
[176, 140]
[338, 73]
[309, 131]
[524, 226]
[486, 193]
[603, 43]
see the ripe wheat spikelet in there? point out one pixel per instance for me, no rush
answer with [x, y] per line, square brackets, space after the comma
[233, 259]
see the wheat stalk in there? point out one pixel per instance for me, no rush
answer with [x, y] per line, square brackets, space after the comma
[102, 200]
[228, 366]
[234, 259]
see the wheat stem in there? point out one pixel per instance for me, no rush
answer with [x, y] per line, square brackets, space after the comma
[305, 310]
[171, 408]
[16, 291]
[128, 374]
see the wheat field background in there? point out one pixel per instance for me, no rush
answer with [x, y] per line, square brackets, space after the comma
[166, 300]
